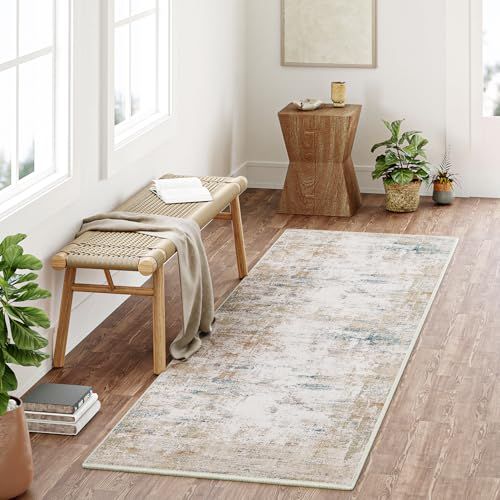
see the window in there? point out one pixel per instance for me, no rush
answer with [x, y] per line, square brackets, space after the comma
[141, 48]
[491, 58]
[34, 96]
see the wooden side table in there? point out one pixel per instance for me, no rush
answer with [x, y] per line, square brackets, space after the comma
[321, 179]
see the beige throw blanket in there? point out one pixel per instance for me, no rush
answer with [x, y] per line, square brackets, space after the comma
[196, 283]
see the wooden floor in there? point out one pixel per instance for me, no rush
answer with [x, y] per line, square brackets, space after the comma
[441, 436]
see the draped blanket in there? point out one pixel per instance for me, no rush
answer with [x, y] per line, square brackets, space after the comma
[196, 283]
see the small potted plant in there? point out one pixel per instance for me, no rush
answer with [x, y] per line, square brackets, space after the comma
[444, 181]
[403, 166]
[20, 344]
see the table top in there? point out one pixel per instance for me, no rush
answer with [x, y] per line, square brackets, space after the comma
[324, 110]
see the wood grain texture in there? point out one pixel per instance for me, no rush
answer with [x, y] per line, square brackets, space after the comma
[64, 317]
[159, 322]
[441, 436]
[321, 179]
[239, 238]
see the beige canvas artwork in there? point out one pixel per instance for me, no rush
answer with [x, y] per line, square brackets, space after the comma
[338, 33]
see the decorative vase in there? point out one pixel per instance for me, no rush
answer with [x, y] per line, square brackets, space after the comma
[443, 193]
[402, 197]
[16, 462]
[339, 94]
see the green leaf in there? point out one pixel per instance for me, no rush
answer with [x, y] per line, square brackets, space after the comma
[3, 330]
[26, 338]
[23, 278]
[381, 144]
[388, 125]
[24, 358]
[32, 316]
[391, 159]
[28, 261]
[396, 129]
[8, 382]
[2, 363]
[11, 240]
[30, 291]
[408, 136]
[423, 143]
[403, 176]
[411, 149]
[11, 254]
[4, 402]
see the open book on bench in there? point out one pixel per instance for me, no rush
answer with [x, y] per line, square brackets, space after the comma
[181, 190]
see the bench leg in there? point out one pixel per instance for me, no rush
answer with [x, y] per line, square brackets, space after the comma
[64, 317]
[239, 241]
[159, 333]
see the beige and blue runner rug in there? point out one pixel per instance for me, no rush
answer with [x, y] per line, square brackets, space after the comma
[306, 356]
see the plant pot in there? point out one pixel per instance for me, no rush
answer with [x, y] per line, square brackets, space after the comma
[443, 193]
[402, 197]
[16, 462]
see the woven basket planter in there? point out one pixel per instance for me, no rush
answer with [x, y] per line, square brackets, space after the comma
[402, 197]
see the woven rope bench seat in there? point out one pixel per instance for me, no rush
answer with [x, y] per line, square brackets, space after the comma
[138, 252]
[121, 251]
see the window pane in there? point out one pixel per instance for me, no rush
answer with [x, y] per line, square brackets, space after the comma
[35, 116]
[143, 60]
[8, 30]
[121, 9]
[139, 6]
[35, 25]
[122, 93]
[491, 58]
[7, 124]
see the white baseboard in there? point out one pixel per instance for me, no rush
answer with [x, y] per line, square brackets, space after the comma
[271, 175]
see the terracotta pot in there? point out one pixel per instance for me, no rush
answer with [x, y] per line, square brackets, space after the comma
[402, 197]
[16, 462]
[443, 193]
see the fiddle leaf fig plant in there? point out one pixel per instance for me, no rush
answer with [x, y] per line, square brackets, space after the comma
[404, 159]
[20, 343]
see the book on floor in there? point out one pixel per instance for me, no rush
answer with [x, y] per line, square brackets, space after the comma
[63, 417]
[181, 190]
[57, 398]
[64, 428]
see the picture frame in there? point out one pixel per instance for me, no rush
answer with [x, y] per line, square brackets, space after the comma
[342, 34]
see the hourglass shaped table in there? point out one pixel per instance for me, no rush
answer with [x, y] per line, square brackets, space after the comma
[321, 179]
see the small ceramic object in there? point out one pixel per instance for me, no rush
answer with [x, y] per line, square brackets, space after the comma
[308, 104]
[339, 94]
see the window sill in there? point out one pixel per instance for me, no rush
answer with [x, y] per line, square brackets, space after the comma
[137, 142]
[37, 204]
[134, 132]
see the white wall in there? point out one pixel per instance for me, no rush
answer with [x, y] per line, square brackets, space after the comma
[408, 83]
[209, 102]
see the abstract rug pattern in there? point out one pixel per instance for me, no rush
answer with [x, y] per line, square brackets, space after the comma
[306, 355]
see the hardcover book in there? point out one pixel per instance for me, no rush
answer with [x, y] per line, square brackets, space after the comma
[62, 417]
[57, 398]
[64, 428]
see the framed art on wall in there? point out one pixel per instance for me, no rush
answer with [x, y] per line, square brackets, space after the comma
[334, 33]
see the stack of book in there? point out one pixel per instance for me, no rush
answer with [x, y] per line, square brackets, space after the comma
[60, 408]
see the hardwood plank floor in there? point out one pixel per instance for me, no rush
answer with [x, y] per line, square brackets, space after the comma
[441, 436]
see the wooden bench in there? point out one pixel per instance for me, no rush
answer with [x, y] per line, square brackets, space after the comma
[144, 254]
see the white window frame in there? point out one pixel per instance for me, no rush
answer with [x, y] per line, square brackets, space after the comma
[125, 143]
[24, 192]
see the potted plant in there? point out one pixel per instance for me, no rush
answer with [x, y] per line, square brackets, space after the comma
[20, 344]
[444, 181]
[403, 166]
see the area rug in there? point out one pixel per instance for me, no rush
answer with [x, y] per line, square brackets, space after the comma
[306, 356]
